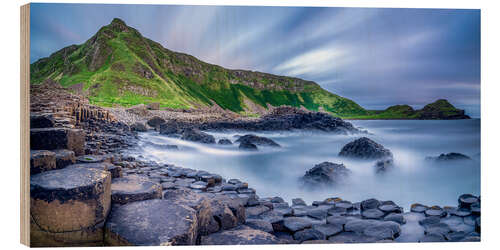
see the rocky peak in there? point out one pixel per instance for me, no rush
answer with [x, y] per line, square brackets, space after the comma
[118, 25]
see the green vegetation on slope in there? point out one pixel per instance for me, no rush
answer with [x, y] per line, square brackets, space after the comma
[118, 66]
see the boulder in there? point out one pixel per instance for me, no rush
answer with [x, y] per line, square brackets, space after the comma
[225, 141]
[64, 158]
[197, 136]
[58, 138]
[326, 173]
[41, 120]
[365, 148]
[116, 171]
[139, 127]
[155, 121]
[240, 236]
[134, 188]
[248, 146]
[151, 223]
[370, 204]
[68, 205]
[41, 161]
[257, 140]
[449, 157]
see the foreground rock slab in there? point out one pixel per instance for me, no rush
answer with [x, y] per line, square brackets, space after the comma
[58, 138]
[67, 206]
[41, 161]
[240, 236]
[133, 188]
[151, 223]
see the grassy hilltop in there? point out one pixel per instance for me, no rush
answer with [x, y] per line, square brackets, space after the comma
[118, 66]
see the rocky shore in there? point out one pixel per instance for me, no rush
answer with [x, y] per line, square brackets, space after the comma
[86, 192]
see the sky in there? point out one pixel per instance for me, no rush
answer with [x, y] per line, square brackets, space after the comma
[374, 56]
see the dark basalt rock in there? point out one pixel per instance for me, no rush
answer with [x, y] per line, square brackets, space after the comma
[155, 121]
[418, 208]
[396, 217]
[449, 157]
[435, 211]
[255, 211]
[326, 173]
[432, 238]
[383, 165]
[116, 171]
[327, 230]
[298, 202]
[151, 223]
[258, 224]
[41, 161]
[372, 214]
[64, 158]
[41, 120]
[225, 142]
[308, 234]
[197, 136]
[351, 237]
[161, 146]
[370, 204]
[248, 146]
[294, 224]
[58, 138]
[257, 140]
[365, 148]
[68, 203]
[133, 188]
[240, 236]
[387, 230]
[466, 200]
[139, 127]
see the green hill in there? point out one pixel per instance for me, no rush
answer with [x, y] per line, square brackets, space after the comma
[118, 66]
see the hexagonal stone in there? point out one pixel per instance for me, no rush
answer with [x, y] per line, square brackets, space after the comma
[64, 158]
[351, 237]
[261, 225]
[298, 202]
[387, 230]
[168, 185]
[369, 204]
[294, 224]
[466, 200]
[308, 234]
[151, 223]
[461, 212]
[58, 138]
[200, 185]
[134, 188]
[418, 208]
[396, 217]
[359, 225]
[344, 204]
[41, 161]
[437, 228]
[389, 207]
[255, 211]
[327, 230]
[116, 171]
[68, 200]
[337, 211]
[336, 220]
[240, 236]
[372, 214]
[435, 211]
[429, 220]
[432, 238]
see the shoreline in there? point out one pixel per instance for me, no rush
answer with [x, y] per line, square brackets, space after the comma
[219, 211]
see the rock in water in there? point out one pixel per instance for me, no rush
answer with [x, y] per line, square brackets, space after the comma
[41, 161]
[68, 206]
[248, 146]
[134, 188]
[156, 121]
[257, 140]
[197, 136]
[381, 166]
[326, 173]
[225, 141]
[58, 138]
[449, 157]
[365, 148]
[139, 127]
[240, 236]
[151, 223]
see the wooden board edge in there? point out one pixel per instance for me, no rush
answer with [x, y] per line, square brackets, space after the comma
[25, 104]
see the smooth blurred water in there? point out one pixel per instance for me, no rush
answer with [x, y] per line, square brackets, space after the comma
[275, 171]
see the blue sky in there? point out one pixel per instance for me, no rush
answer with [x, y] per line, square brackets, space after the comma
[377, 57]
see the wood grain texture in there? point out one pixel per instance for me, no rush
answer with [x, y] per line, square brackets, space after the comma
[25, 81]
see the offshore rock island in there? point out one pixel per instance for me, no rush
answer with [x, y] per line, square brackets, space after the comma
[90, 103]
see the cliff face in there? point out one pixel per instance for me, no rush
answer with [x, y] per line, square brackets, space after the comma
[118, 66]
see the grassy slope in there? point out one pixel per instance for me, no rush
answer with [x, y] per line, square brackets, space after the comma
[111, 67]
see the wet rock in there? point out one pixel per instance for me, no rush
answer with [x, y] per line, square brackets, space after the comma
[372, 214]
[449, 157]
[255, 211]
[429, 221]
[261, 225]
[58, 138]
[155, 121]
[432, 238]
[197, 136]
[466, 200]
[318, 213]
[461, 212]
[387, 230]
[358, 225]
[389, 207]
[248, 146]
[455, 236]
[478, 225]
[435, 211]
[336, 220]
[327, 230]
[151, 223]
[199, 185]
[471, 239]
[133, 188]
[68, 200]
[294, 224]
[365, 148]
[139, 127]
[418, 208]
[41, 120]
[476, 209]
[370, 204]
[308, 234]
[225, 141]
[437, 228]
[257, 140]
[384, 165]
[298, 202]
[326, 173]
[64, 158]
[351, 237]
[396, 217]
[116, 171]
[41, 161]
[240, 236]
